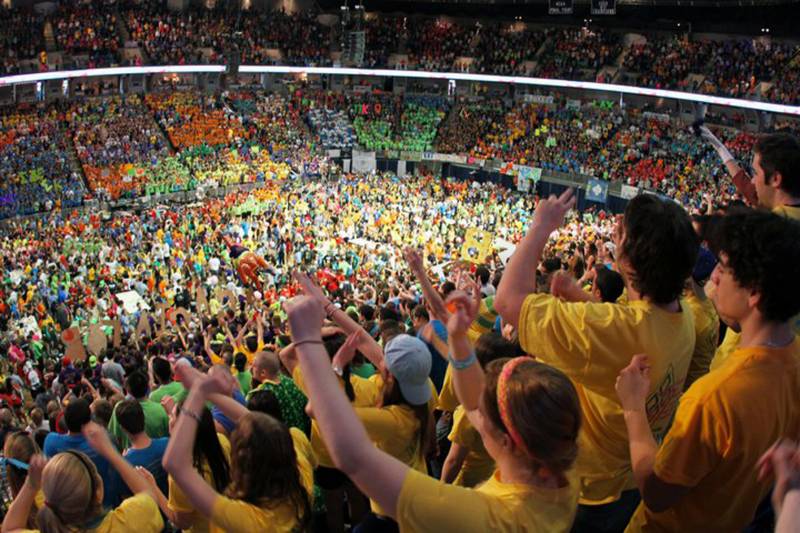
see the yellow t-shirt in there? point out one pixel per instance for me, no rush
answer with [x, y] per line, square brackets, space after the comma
[478, 465]
[724, 423]
[179, 502]
[231, 516]
[787, 211]
[367, 394]
[137, 514]
[427, 504]
[706, 328]
[729, 345]
[591, 343]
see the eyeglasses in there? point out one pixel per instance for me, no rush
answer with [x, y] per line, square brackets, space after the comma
[14, 462]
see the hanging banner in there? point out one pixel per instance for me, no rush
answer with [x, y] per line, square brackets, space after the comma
[597, 190]
[363, 161]
[628, 191]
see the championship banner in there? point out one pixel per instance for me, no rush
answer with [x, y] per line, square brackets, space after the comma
[604, 7]
[559, 7]
[597, 190]
[477, 245]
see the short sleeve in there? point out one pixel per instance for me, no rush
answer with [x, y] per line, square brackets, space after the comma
[178, 501]
[234, 516]
[462, 432]
[379, 422]
[427, 504]
[138, 513]
[693, 445]
[581, 339]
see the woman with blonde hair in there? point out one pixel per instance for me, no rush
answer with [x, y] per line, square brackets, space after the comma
[73, 492]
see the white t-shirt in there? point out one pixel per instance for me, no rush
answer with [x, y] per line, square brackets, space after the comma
[214, 264]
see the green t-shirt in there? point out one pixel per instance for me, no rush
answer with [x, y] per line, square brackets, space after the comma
[292, 401]
[173, 388]
[366, 370]
[156, 423]
[245, 381]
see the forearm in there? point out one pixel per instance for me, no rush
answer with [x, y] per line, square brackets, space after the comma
[344, 435]
[643, 447]
[519, 279]
[453, 463]
[468, 382]
[179, 450]
[432, 296]
[229, 407]
[134, 481]
[743, 183]
[367, 345]
[17, 516]
[789, 517]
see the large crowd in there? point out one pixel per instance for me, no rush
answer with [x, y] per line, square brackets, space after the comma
[358, 350]
[757, 67]
[126, 147]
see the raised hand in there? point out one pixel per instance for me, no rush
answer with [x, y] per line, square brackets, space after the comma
[550, 213]
[463, 309]
[305, 315]
[633, 383]
[783, 461]
[347, 351]
[97, 437]
[413, 259]
[35, 467]
[309, 287]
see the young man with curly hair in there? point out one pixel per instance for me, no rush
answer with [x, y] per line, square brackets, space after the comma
[704, 475]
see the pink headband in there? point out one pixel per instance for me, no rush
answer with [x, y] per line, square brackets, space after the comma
[502, 401]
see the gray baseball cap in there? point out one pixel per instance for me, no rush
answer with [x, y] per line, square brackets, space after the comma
[409, 361]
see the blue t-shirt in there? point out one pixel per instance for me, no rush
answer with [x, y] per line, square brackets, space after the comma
[150, 458]
[220, 417]
[55, 443]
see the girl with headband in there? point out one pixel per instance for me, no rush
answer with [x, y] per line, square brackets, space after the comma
[73, 494]
[527, 413]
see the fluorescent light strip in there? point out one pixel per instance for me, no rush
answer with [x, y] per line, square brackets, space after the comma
[115, 71]
[419, 74]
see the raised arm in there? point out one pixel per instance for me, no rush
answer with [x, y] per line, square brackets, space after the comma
[468, 377]
[519, 278]
[376, 473]
[97, 437]
[433, 297]
[367, 345]
[17, 516]
[178, 457]
[740, 178]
